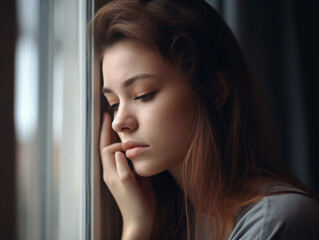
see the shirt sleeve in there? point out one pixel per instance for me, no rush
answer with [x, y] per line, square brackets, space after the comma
[281, 216]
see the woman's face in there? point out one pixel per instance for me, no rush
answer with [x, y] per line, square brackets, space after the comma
[153, 105]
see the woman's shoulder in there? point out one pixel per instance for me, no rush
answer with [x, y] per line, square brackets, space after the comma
[287, 213]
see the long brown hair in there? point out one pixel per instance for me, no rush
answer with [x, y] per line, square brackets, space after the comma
[229, 158]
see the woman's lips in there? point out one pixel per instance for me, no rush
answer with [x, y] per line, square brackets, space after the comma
[132, 149]
[133, 152]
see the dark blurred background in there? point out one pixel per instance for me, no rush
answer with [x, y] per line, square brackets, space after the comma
[281, 44]
[7, 142]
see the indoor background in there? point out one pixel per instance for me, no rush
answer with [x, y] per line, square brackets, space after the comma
[281, 44]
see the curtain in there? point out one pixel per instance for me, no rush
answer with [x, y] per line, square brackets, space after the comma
[280, 43]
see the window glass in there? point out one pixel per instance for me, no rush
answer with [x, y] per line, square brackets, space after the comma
[52, 119]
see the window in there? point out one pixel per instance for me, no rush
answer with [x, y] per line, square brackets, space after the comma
[53, 119]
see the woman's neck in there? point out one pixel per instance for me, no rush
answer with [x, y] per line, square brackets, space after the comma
[176, 173]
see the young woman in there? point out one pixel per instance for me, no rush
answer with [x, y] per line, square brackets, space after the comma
[183, 149]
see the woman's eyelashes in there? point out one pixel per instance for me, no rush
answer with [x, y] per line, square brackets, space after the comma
[144, 98]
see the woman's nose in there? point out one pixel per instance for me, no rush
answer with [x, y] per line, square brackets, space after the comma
[124, 121]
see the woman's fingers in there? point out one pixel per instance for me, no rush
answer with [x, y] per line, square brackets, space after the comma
[108, 161]
[123, 170]
[106, 134]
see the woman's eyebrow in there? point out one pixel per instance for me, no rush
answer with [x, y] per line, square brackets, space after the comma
[130, 81]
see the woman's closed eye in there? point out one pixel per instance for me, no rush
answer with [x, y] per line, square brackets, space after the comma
[145, 97]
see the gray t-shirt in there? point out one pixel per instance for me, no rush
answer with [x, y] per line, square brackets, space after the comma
[290, 215]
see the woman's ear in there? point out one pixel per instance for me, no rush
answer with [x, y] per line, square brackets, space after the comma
[221, 88]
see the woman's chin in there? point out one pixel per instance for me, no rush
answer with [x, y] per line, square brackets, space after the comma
[145, 171]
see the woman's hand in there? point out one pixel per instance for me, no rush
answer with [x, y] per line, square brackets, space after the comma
[133, 194]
